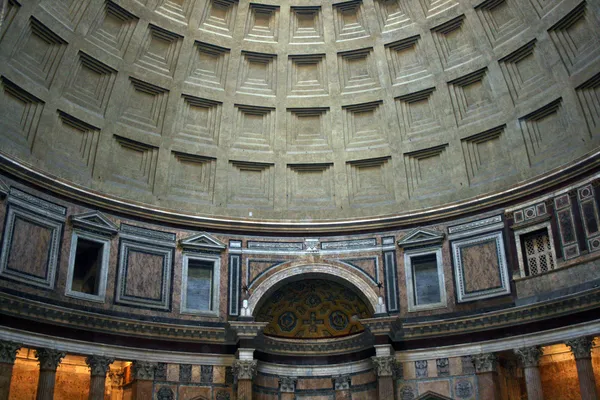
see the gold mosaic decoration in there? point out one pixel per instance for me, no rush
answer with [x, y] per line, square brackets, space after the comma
[313, 309]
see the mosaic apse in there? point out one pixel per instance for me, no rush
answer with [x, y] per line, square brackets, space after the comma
[313, 309]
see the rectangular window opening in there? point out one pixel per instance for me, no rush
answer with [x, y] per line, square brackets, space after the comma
[537, 252]
[88, 263]
[426, 280]
[199, 292]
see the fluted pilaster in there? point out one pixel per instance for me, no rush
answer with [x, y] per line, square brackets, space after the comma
[8, 354]
[98, 369]
[530, 358]
[582, 350]
[49, 360]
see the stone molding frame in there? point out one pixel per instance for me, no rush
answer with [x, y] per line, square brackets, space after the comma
[461, 284]
[215, 259]
[40, 213]
[543, 225]
[104, 265]
[358, 283]
[408, 255]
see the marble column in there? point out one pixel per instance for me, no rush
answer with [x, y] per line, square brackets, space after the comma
[8, 354]
[384, 367]
[49, 360]
[143, 375]
[486, 368]
[287, 387]
[98, 368]
[582, 350]
[341, 384]
[245, 371]
[530, 358]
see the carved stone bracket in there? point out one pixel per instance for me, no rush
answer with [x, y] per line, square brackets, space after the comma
[342, 382]
[529, 356]
[384, 365]
[581, 347]
[8, 351]
[143, 370]
[486, 362]
[245, 369]
[98, 365]
[389, 326]
[49, 358]
[287, 384]
[247, 329]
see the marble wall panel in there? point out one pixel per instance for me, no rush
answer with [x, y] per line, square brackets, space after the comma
[28, 252]
[441, 386]
[314, 383]
[480, 267]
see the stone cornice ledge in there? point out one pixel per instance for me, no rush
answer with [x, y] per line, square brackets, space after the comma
[46, 313]
[587, 163]
[582, 301]
[72, 346]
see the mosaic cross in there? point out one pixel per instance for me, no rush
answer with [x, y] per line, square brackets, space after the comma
[313, 322]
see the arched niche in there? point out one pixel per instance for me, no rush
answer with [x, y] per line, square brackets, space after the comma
[289, 274]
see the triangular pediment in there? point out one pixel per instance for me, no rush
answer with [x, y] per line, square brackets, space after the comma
[4, 189]
[202, 241]
[94, 221]
[432, 396]
[421, 237]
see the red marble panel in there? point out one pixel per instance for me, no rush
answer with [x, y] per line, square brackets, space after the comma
[29, 248]
[72, 382]
[317, 383]
[366, 395]
[480, 266]
[559, 380]
[267, 381]
[191, 392]
[23, 384]
[364, 378]
[144, 275]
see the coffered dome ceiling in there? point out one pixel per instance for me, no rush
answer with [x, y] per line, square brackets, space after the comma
[313, 309]
[299, 109]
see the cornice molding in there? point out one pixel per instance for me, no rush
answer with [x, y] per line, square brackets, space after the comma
[56, 315]
[40, 179]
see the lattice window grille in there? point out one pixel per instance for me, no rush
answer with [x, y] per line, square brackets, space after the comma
[538, 251]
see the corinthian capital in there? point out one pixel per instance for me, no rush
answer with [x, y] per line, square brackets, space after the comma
[486, 362]
[143, 370]
[529, 356]
[245, 369]
[384, 365]
[581, 347]
[287, 384]
[98, 364]
[49, 358]
[341, 382]
[8, 351]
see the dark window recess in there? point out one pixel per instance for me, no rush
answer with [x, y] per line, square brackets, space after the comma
[426, 279]
[199, 285]
[86, 272]
[537, 252]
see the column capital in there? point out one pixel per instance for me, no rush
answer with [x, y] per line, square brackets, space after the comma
[486, 362]
[8, 351]
[529, 356]
[98, 364]
[341, 382]
[581, 347]
[49, 358]
[245, 369]
[143, 370]
[287, 384]
[385, 365]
